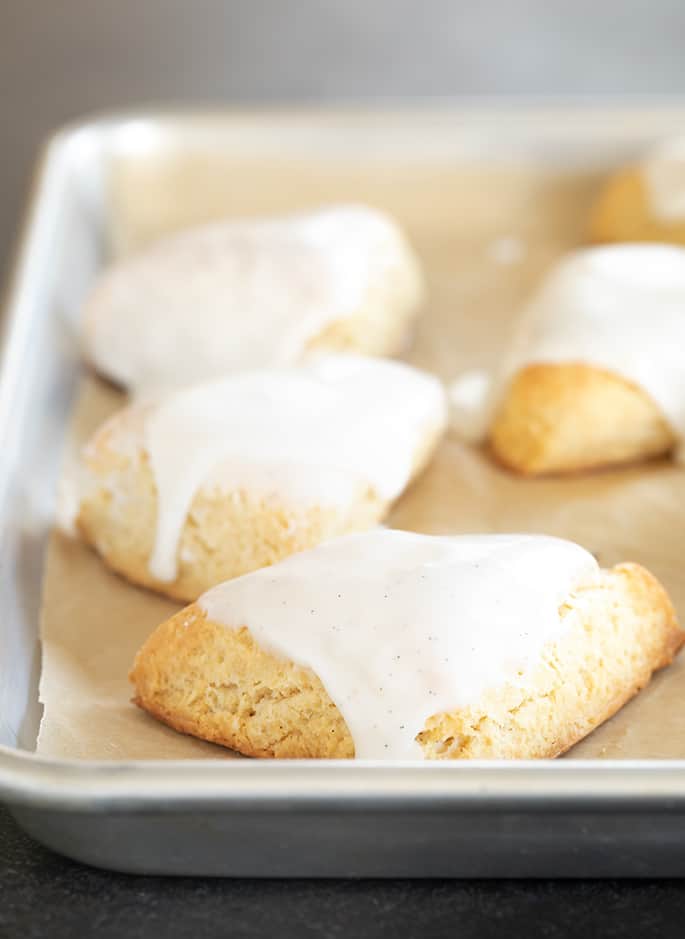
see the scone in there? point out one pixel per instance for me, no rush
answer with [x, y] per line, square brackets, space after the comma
[563, 418]
[209, 482]
[644, 201]
[393, 645]
[253, 293]
[594, 374]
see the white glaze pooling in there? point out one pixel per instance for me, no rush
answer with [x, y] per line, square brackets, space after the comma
[663, 171]
[242, 294]
[316, 434]
[620, 308]
[469, 399]
[400, 626]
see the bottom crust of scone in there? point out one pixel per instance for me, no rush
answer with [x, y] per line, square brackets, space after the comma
[562, 418]
[622, 213]
[217, 683]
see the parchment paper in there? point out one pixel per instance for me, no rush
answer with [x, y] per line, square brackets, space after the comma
[457, 218]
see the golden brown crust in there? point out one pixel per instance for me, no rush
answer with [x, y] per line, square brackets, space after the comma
[620, 632]
[215, 682]
[622, 213]
[566, 417]
[227, 532]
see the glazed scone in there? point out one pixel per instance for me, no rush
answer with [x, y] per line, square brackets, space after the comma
[392, 645]
[253, 293]
[644, 201]
[593, 376]
[209, 482]
[564, 418]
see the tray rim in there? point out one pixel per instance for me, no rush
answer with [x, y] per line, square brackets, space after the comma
[167, 785]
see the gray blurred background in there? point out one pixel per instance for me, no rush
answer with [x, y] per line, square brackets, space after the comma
[60, 59]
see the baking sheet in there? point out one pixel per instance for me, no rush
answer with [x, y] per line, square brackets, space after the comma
[484, 235]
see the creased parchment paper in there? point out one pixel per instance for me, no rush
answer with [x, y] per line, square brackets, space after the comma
[484, 236]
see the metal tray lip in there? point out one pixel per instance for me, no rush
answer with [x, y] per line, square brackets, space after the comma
[473, 110]
[155, 785]
[483, 108]
[159, 784]
[12, 329]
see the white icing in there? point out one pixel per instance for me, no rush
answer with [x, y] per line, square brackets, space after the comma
[400, 626]
[242, 294]
[68, 500]
[469, 411]
[663, 171]
[310, 435]
[620, 308]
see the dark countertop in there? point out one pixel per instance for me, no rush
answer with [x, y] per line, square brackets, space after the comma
[43, 895]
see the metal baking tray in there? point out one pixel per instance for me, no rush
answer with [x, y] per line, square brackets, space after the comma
[260, 818]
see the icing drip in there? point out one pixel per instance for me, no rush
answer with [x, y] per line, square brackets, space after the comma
[400, 626]
[310, 435]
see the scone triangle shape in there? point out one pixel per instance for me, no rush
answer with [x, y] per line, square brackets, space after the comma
[182, 492]
[253, 293]
[394, 645]
[593, 376]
